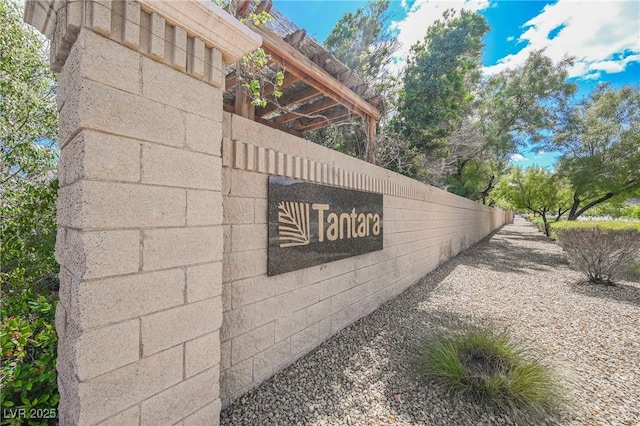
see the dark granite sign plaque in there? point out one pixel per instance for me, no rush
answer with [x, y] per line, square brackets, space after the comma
[310, 224]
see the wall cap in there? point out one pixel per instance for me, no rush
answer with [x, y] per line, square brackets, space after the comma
[199, 17]
[210, 23]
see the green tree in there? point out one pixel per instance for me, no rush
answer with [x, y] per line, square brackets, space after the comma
[361, 40]
[513, 108]
[524, 105]
[600, 141]
[534, 189]
[28, 131]
[248, 69]
[28, 273]
[439, 81]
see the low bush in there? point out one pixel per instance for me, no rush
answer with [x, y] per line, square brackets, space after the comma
[28, 341]
[601, 249]
[488, 368]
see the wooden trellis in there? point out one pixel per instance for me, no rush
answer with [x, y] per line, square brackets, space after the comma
[318, 90]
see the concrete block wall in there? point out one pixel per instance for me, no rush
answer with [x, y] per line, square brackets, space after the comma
[162, 220]
[140, 238]
[269, 322]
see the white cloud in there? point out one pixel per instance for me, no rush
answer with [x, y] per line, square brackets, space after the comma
[421, 15]
[517, 157]
[603, 36]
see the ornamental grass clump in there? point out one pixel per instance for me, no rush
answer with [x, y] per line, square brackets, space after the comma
[600, 250]
[488, 368]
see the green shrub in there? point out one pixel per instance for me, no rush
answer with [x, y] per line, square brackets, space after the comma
[28, 342]
[488, 368]
[604, 225]
[631, 211]
[601, 250]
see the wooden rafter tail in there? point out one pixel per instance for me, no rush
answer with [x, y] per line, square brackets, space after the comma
[309, 109]
[360, 89]
[242, 8]
[344, 76]
[295, 38]
[376, 101]
[289, 99]
[321, 58]
[264, 6]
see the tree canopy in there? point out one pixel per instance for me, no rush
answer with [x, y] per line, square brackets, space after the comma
[28, 131]
[28, 192]
[363, 42]
[440, 77]
[600, 141]
[534, 189]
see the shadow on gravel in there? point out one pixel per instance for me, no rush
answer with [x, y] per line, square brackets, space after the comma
[366, 375]
[620, 292]
[502, 254]
[538, 237]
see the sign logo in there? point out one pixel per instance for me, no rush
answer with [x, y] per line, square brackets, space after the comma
[293, 224]
[311, 224]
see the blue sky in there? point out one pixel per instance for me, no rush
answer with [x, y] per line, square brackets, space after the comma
[603, 36]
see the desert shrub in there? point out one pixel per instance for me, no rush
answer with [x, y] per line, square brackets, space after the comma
[489, 368]
[602, 249]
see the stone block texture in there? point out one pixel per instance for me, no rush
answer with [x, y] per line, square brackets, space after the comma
[269, 322]
[166, 313]
[140, 239]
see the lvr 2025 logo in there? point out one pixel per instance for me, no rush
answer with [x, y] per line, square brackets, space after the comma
[294, 225]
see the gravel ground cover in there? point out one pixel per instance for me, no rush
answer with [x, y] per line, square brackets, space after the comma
[516, 280]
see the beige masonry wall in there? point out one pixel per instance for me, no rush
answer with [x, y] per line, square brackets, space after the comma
[269, 322]
[165, 309]
[140, 238]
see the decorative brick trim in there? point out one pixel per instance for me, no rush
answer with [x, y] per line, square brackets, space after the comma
[246, 156]
[128, 23]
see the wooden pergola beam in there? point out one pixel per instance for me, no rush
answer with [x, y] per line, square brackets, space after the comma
[243, 7]
[232, 110]
[310, 109]
[313, 75]
[371, 146]
[243, 105]
[289, 79]
[323, 121]
[289, 99]
[231, 80]
[325, 124]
